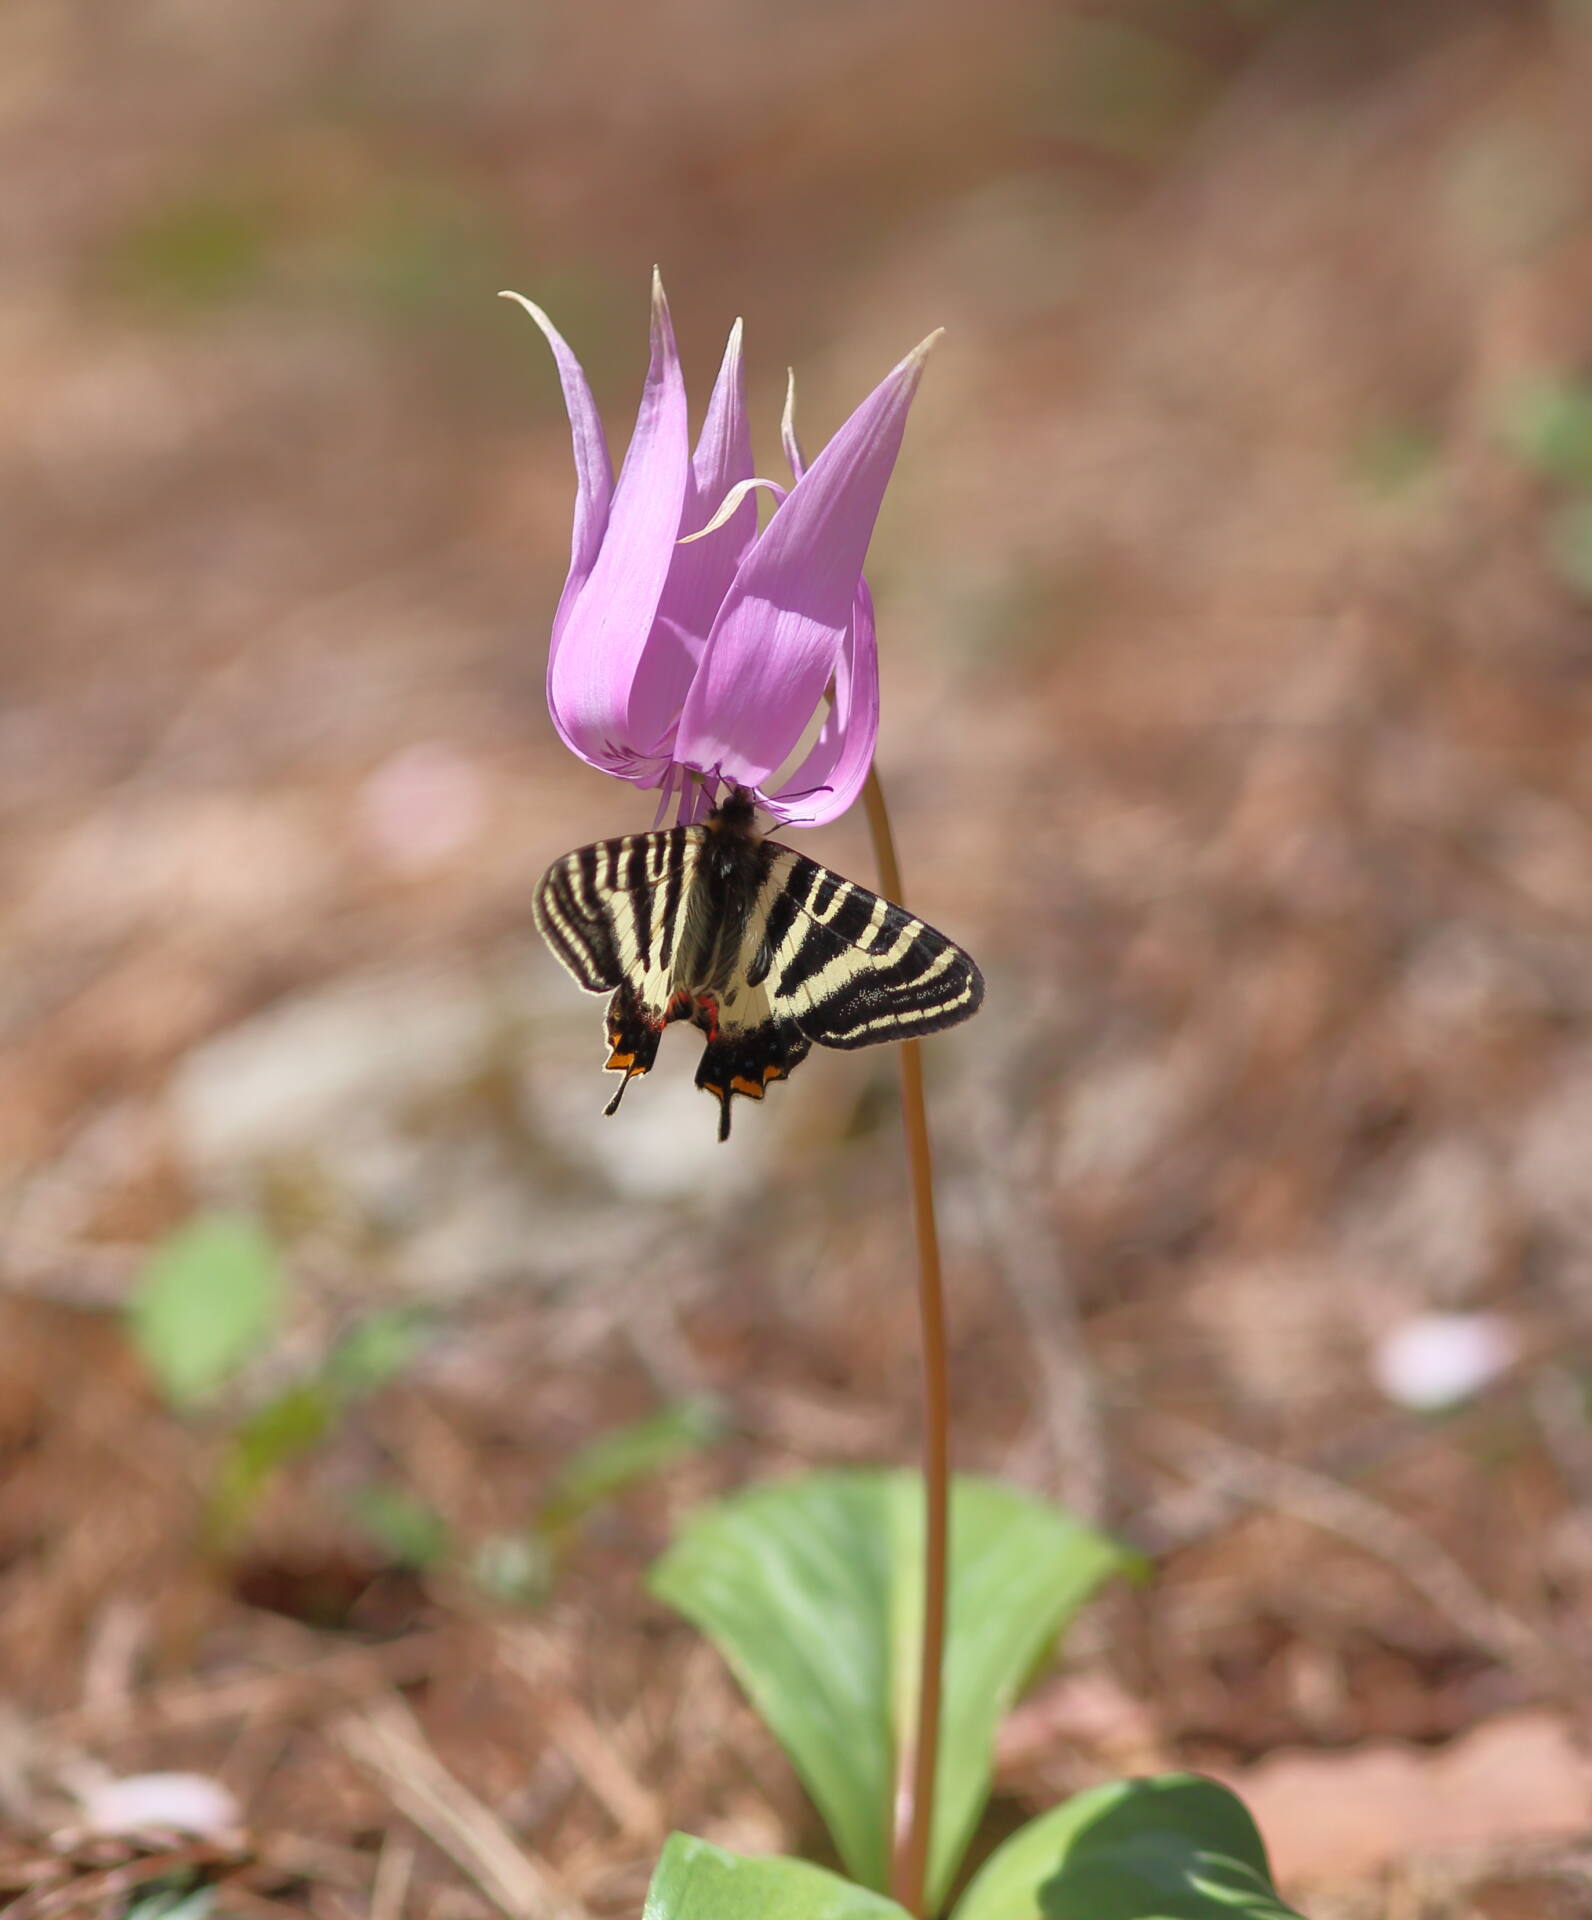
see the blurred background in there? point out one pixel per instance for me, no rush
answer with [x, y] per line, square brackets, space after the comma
[1236, 617]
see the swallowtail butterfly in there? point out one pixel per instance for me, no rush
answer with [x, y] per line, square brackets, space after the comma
[766, 951]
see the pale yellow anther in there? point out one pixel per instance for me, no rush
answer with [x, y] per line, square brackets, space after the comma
[731, 501]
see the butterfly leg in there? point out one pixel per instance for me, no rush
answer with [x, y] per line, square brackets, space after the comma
[633, 1034]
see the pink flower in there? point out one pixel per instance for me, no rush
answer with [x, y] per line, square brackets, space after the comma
[689, 651]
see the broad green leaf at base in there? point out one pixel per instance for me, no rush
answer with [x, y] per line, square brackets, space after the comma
[812, 1589]
[1176, 1847]
[696, 1881]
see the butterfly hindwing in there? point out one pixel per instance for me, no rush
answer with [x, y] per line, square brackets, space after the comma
[750, 1046]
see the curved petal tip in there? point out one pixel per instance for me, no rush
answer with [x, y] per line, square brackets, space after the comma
[923, 349]
[530, 306]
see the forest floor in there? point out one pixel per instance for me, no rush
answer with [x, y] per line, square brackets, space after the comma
[1238, 684]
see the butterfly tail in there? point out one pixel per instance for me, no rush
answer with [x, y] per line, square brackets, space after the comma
[633, 1034]
[747, 1063]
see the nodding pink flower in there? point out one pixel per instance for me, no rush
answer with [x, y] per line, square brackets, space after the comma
[690, 652]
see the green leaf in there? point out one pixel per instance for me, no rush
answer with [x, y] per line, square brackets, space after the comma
[375, 1349]
[292, 1424]
[813, 1592]
[209, 1299]
[408, 1529]
[1547, 423]
[695, 1881]
[619, 1459]
[793, 1583]
[1392, 457]
[303, 1416]
[1569, 543]
[172, 1902]
[1172, 1848]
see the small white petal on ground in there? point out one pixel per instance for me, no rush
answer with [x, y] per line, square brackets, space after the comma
[165, 1802]
[1438, 1359]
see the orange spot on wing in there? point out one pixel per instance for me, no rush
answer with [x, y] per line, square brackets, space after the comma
[617, 1060]
[752, 1088]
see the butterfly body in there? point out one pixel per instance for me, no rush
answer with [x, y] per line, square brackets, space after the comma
[762, 949]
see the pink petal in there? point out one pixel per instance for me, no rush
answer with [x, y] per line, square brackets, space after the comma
[777, 639]
[699, 574]
[594, 474]
[831, 776]
[724, 452]
[592, 667]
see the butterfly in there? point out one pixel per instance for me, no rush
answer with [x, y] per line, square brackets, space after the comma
[762, 949]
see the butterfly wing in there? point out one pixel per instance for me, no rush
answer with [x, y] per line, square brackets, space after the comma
[853, 969]
[825, 961]
[786, 955]
[620, 917]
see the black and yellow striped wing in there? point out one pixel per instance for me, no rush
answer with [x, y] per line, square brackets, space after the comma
[765, 951]
[616, 915]
[849, 968]
[614, 912]
[825, 962]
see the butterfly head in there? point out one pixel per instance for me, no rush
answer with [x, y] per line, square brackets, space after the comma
[736, 815]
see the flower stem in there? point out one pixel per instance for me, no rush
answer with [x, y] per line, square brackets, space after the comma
[918, 1763]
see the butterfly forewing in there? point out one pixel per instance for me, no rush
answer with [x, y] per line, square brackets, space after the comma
[853, 969]
[615, 913]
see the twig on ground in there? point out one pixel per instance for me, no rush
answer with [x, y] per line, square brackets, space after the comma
[243, 1902]
[387, 1741]
[189, 1704]
[592, 1750]
[105, 1889]
[390, 1888]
